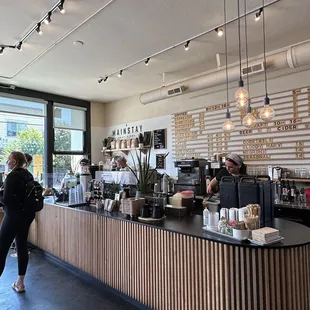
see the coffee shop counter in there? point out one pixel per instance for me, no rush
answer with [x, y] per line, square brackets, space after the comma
[174, 264]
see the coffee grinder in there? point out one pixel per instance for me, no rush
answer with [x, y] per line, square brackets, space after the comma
[85, 176]
[191, 175]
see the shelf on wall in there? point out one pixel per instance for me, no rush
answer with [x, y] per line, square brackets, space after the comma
[127, 150]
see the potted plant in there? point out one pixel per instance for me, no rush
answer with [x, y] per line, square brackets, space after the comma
[104, 144]
[141, 140]
[143, 172]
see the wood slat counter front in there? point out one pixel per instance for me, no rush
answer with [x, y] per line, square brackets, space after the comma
[175, 265]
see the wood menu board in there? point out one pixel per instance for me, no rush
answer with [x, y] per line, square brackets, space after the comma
[161, 161]
[160, 139]
[283, 141]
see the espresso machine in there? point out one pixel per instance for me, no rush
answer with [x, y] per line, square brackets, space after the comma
[191, 175]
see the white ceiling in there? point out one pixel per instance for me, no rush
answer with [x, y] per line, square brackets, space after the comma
[119, 33]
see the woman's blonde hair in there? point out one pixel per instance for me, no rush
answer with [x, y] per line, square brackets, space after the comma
[20, 159]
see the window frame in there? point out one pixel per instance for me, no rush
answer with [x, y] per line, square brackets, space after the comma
[28, 95]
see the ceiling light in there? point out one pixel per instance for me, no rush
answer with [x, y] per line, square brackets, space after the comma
[241, 94]
[147, 61]
[219, 31]
[100, 80]
[19, 46]
[48, 18]
[228, 126]
[120, 74]
[105, 79]
[61, 7]
[38, 29]
[266, 113]
[258, 14]
[249, 120]
[1, 50]
[186, 46]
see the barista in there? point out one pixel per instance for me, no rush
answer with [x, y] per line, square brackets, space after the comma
[121, 163]
[233, 167]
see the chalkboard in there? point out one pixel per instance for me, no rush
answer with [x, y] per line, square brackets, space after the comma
[160, 161]
[160, 139]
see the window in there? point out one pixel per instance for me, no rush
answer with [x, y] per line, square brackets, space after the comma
[56, 135]
[69, 125]
[22, 125]
[69, 129]
[14, 128]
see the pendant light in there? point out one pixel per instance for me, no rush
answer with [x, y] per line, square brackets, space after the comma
[267, 112]
[241, 94]
[228, 126]
[249, 120]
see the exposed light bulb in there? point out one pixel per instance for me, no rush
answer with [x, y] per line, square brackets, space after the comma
[219, 31]
[249, 120]
[267, 113]
[228, 125]
[241, 96]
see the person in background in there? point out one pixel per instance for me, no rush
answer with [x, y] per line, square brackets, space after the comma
[121, 164]
[233, 167]
[16, 221]
[28, 160]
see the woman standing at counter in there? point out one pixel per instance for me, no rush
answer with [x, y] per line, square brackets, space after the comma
[233, 167]
[16, 221]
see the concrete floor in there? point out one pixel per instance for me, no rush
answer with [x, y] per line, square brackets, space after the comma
[50, 286]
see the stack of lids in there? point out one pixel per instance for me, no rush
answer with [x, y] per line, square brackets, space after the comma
[265, 234]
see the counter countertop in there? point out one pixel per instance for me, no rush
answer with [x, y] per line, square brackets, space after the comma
[294, 234]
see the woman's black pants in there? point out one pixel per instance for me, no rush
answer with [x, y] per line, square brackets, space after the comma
[15, 225]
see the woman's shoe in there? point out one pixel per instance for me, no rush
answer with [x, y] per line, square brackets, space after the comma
[18, 289]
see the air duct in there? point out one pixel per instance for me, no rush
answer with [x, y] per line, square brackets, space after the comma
[292, 57]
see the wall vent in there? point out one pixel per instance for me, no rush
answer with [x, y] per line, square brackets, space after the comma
[176, 91]
[253, 69]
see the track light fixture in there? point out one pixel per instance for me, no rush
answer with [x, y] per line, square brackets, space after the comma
[19, 45]
[219, 31]
[61, 7]
[100, 80]
[243, 94]
[105, 79]
[38, 29]
[1, 50]
[258, 14]
[186, 46]
[48, 18]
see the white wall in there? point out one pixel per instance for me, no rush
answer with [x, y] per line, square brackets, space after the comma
[130, 110]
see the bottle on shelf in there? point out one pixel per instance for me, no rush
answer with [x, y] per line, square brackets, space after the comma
[288, 190]
[293, 193]
[283, 191]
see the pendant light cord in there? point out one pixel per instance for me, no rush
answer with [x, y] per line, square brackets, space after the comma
[264, 38]
[239, 37]
[226, 54]
[246, 48]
